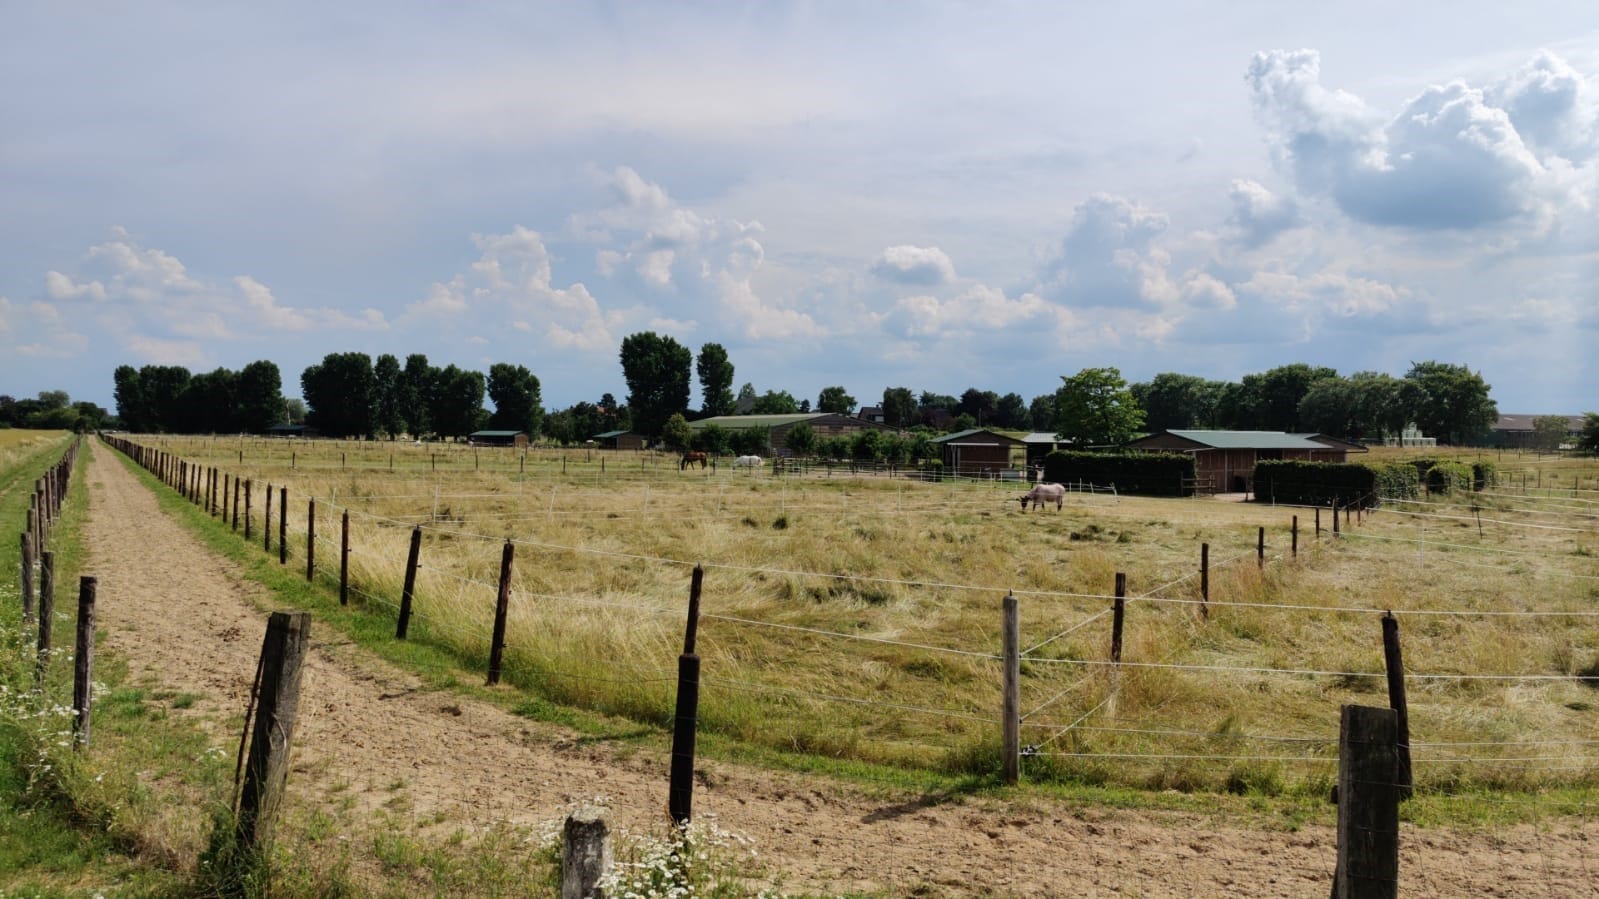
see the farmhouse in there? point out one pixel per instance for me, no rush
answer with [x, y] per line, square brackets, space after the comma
[825, 424]
[977, 453]
[621, 440]
[1224, 461]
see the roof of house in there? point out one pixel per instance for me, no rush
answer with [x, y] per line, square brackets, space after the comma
[1519, 422]
[1043, 437]
[495, 433]
[739, 422]
[609, 434]
[960, 436]
[1258, 440]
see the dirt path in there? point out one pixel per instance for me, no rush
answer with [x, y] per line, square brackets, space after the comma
[376, 738]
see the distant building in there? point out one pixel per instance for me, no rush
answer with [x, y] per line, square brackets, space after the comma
[977, 453]
[1516, 430]
[1224, 461]
[872, 413]
[622, 440]
[516, 439]
[825, 424]
[1040, 444]
[288, 430]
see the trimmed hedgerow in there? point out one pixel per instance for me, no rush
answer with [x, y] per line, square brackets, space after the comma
[1447, 477]
[1397, 480]
[1315, 483]
[1146, 474]
[1483, 474]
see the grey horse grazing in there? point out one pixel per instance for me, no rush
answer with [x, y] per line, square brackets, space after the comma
[1045, 493]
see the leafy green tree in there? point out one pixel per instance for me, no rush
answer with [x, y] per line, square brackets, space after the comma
[415, 394]
[517, 404]
[1381, 403]
[1549, 431]
[456, 403]
[716, 380]
[1332, 406]
[981, 405]
[132, 407]
[775, 402]
[751, 441]
[833, 447]
[802, 440]
[1450, 402]
[895, 449]
[866, 445]
[1095, 408]
[1011, 412]
[676, 434]
[711, 439]
[163, 387]
[259, 392]
[899, 407]
[210, 403]
[388, 396]
[919, 446]
[1588, 440]
[835, 400]
[1173, 401]
[1041, 412]
[339, 394]
[294, 410]
[656, 370]
[1282, 388]
[963, 422]
[930, 400]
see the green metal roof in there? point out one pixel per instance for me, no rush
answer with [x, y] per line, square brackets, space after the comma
[969, 432]
[495, 433]
[1248, 440]
[739, 422]
[609, 434]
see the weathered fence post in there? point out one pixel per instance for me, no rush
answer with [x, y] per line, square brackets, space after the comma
[310, 539]
[1335, 520]
[266, 520]
[344, 558]
[409, 590]
[283, 525]
[585, 853]
[1011, 707]
[1394, 663]
[680, 791]
[1119, 610]
[1294, 529]
[288, 637]
[47, 607]
[235, 504]
[1260, 548]
[1318, 522]
[83, 664]
[1368, 805]
[247, 487]
[502, 608]
[1204, 580]
[27, 574]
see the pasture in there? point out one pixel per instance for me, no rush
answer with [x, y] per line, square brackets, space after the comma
[857, 616]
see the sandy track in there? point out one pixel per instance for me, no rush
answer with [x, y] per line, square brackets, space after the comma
[182, 616]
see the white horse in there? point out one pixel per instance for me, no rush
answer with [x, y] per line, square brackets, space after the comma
[747, 462]
[1045, 493]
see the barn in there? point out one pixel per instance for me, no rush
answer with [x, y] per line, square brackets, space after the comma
[1224, 461]
[977, 453]
[1040, 444]
[517, 439]
[621, 440]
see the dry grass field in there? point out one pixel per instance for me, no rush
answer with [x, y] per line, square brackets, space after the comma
[857, 617]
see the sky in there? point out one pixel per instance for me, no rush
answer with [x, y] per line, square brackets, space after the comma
[930, 195]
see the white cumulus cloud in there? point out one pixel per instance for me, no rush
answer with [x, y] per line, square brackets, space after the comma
[914, 265]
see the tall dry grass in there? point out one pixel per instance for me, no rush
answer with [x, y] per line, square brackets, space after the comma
[858, 617]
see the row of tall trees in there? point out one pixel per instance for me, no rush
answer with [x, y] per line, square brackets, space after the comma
[348, 395]
[167, 398]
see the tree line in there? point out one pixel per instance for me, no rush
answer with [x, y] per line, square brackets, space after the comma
[351, 394]
[52, 410]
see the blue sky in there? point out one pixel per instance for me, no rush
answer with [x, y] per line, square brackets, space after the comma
[937, 196]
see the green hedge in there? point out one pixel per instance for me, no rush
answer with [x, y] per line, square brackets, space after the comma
[1397, 480]
[1447, 477]
[1483, 474]
[1315, 483]
[1147, 474]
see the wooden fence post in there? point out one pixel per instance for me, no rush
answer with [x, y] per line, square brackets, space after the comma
[1335, 520]
[27, 574]
[1394, 664]
[1011, 707]
[344, 558]
[1260, 548]
[1368, 805]
[502, 608]
[288, 636]
[409, 590]
[266, 520]
[283, 525]
[247, 488]
[1204, 580]
[235, 504]
[1119, 611]
[1294, 528]
[1318, 522]
[585, 853]
[310, 539]
[680, 792]
[83, 664]
[47, 607]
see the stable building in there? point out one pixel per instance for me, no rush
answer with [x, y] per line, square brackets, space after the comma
[621, 440]
[825, 424]
[1224, 461]
[517, 439]
[977, 453]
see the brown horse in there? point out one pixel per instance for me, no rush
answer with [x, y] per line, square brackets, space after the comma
[690, 458]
